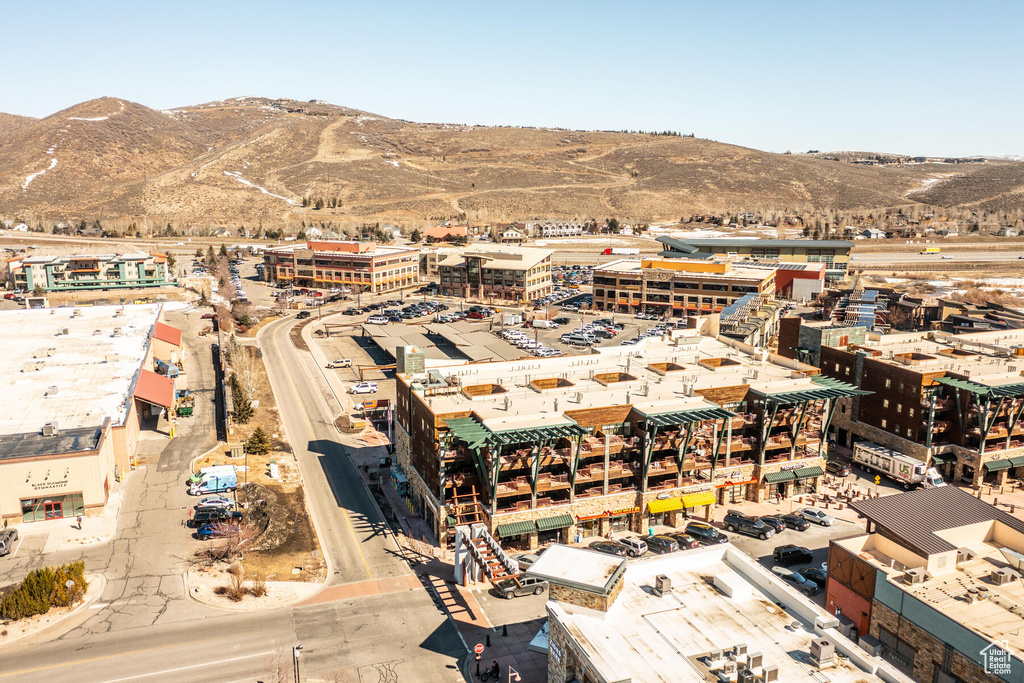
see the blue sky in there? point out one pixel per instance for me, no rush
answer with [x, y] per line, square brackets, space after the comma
[937, 77]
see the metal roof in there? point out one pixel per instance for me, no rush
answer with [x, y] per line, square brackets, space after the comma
[916, 517]
[830, 388]
[693, 245]
[476, 434]
[682, 417]
[1016, 389]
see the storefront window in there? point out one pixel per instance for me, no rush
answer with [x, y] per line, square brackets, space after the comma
[590, 527]
[52, 507]
[804, 486]
[734, 494]
[657, 519]
[619, 523]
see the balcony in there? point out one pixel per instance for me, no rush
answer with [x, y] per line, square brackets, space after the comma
[742, 443]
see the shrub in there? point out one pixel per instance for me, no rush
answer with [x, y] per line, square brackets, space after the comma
[44, 589]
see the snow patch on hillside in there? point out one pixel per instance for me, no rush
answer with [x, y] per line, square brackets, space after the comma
[237, 175]
[79, 118]
[33, 176]
[393, 163]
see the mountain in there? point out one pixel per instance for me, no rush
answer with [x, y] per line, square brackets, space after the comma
[254, 159]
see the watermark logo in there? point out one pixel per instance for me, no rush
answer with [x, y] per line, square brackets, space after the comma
[996, 657]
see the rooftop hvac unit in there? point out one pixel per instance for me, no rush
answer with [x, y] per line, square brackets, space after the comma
[97, 333]
[728, 669]
[1001, 577]
[50, 429]
[745, 676]
[714, 657]
[770, 674]
[823, 652]
[51, 391]
[76, 313]
[915, 576]
[662, 585]
[117, 332]
[755, 660]
[739, 650]
[64, 331]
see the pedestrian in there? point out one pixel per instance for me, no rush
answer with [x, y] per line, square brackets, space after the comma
[79, 520]
[495, 670]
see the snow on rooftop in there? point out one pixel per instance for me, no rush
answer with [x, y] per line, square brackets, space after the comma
[578, 567]
[92, 372]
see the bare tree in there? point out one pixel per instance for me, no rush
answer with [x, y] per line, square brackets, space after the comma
[279, 669]
[248, 370]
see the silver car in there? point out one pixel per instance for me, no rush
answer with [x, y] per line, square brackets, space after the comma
[817, 516]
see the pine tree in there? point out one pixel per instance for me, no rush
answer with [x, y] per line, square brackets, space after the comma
[223, 250]
[243, 410]
[258, 443]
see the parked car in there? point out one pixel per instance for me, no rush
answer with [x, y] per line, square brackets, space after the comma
[706, 534]
[609, 547]
[303, 315]
[815, 574]
[661, 544]
[790, 554]
[774, 522]
[208, 316]
[684, 541]
[840, 469]
[363, 388]
[526, 560]
[215, 501]
[208, 531]
[523, 585]
[377, 320]
[795, 522]
[737, 522]
[818, 516]
[805, 586]
[216, 516]
[7, 539]
[352, 311]
[340, 363]
[635, 547]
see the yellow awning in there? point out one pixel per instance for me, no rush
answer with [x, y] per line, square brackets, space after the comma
[694, 500]
[658, 506]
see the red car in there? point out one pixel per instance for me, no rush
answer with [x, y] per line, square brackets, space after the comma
[476, 315]
[208, 316]
[9, 295]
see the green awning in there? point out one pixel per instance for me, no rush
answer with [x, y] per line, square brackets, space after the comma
[537, 434]
[473, 432]
[943, 458]
[808, 472]
[1002, 391]
[557, 522]
[515, 529]
[778, 477]
[1017, 462]
[451, 521]
[828, 388]
[996, 465]
[685, 417]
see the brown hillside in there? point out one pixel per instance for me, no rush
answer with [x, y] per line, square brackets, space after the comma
[254, 159]
[993, 187]
[12, 122]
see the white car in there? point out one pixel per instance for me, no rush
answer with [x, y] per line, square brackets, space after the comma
[363, 388]
[818, 516]
[947, 256]
[340, 363]
[377, 320]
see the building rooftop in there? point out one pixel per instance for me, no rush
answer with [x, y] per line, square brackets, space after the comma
[456, 342]
[580, 568]
[76, 378]
[725, 269]
[500, 257]
[920, 517]
[654, 376]
[695, 244]
[34, 444]
[341, 247]
[719, 598]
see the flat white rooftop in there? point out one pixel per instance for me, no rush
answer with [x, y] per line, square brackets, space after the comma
[648, 638]
[76, 379]
[654, 376]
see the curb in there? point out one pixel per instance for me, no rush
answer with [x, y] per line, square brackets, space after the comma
[97, 581]
[230, 608]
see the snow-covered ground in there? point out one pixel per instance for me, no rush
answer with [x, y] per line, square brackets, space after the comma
[393, 163]
[79, 118]
[237, 175]
[33, 176]
[925, 185]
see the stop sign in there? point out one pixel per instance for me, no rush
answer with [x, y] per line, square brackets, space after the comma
[479, 649]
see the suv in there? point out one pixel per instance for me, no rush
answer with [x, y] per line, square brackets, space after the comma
[787, 555]
[217, 516]
[706, 534]
[524, 585]
[662, 544]
[7, 539]
[839, 469]
[363, 388]
[798, 581]
[341, 363]
[635, 547]
[303, 315]
[736, 521]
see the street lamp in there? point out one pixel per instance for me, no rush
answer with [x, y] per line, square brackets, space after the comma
[296, 652]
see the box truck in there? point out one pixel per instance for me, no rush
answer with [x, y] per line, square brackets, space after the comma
[897, 466]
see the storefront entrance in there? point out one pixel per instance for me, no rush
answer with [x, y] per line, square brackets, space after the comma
[52, 507]
[620, 522]
[734, 494]
[804, 486]
[589, 527]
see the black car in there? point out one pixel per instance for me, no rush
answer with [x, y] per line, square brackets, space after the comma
[790, 554]
[815, 574]
[796, 522]
[609, 547]
[661, 544]
[394, 318]
[774, 522]
[562, 320]
[706, 534]
[303, 315]
[737, 522]
[352, 311]
[523, 585]
[684, 541]
[220, 516]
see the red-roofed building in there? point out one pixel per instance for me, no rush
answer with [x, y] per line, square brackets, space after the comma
[154, 389]
[166, 343]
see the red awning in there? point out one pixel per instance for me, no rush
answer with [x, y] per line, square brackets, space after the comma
[166, 333]
[155, 389]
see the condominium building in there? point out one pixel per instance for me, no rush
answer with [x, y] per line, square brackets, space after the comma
[677, 287]
[835, 254]
[934, 587]
[954, 399]
[622, 438]
[497, 273]
[88, 271]
[364, 265]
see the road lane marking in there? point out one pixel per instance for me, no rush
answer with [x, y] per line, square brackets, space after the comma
[84, 661]
[191, 666]
[312, 433]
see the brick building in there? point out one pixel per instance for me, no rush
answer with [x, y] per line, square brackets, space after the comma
[954, 399]
[934, 587]
[365, 266]
[624, 438]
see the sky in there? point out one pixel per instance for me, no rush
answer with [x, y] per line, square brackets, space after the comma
[920, 78]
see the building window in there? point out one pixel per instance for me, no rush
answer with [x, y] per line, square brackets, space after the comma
[885, 403]
[883, 423]
[899, 407]
[910, 433]
[888, 383]
[910, 412]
